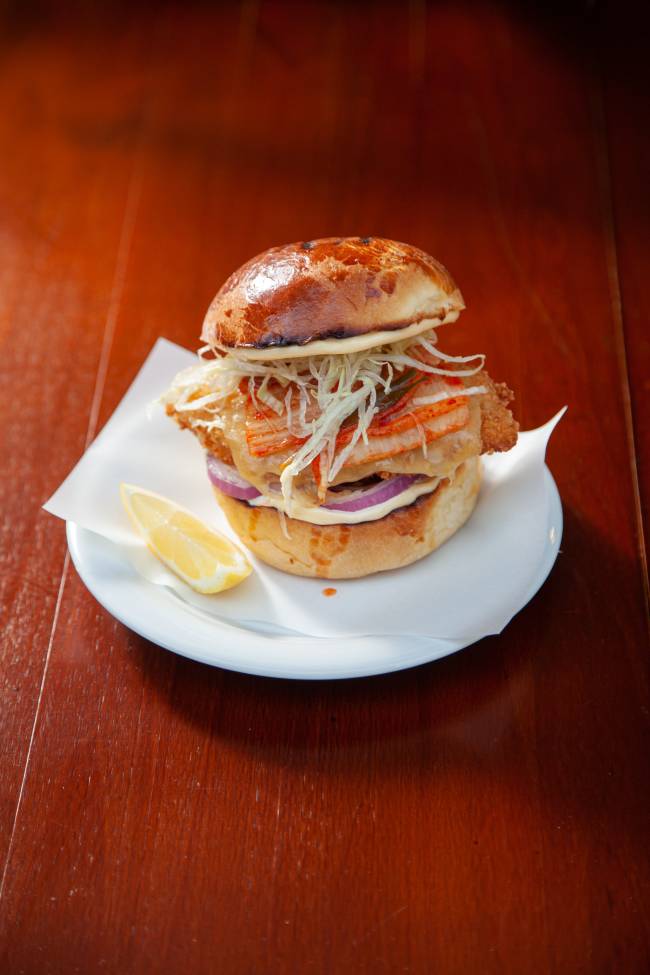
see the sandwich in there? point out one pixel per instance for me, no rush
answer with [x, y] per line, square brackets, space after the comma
[340, 439]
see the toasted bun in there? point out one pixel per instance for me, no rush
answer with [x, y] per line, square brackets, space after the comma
[350, 551]
[334, 288]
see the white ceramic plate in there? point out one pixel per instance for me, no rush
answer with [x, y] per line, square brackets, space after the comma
[162, 616]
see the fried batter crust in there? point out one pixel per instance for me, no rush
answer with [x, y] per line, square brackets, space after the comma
[211, 440]
[498, 427]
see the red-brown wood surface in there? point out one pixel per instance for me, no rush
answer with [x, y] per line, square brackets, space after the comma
[486, 813]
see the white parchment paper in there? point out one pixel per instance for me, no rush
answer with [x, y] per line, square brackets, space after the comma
[469, 588]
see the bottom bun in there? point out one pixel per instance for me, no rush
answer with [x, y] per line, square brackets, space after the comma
[349, 551]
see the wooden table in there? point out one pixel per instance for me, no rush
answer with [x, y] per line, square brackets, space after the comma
[483, 814]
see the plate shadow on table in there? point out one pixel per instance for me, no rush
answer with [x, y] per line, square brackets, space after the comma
[525, 707]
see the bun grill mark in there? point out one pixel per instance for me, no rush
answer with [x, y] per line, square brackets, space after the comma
[388, 282]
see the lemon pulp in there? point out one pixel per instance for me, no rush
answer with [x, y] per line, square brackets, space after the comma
[202, 557]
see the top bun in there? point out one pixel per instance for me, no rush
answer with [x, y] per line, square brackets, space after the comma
[334, 288]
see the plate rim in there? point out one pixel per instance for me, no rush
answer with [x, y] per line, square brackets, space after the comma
[433, 648]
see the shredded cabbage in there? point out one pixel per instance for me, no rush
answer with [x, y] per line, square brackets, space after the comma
[330, 388]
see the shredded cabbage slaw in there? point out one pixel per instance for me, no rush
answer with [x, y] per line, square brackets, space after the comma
[318, 393]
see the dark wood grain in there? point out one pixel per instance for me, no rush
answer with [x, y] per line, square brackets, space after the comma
[67, 150]
[625, 87]
[487, 813]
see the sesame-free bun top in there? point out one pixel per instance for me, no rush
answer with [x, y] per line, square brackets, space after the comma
[337, 294]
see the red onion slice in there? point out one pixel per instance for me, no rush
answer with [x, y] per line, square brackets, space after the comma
[229, 480]
[377, 494]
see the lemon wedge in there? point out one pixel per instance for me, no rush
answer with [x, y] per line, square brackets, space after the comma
[202, 557]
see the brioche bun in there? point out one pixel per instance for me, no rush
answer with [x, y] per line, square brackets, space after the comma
[337, 288]
[349, 551]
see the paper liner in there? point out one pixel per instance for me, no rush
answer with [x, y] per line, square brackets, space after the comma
[469, 588]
